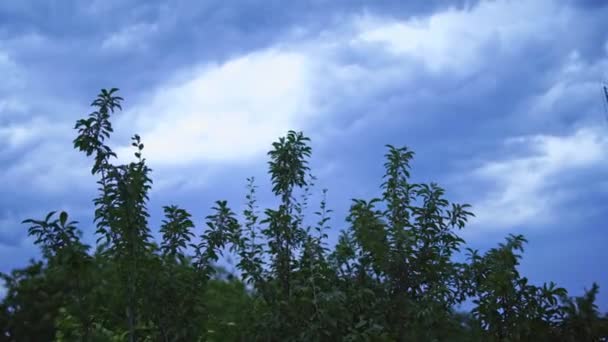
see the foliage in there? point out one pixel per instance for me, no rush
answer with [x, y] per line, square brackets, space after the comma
[391, 276]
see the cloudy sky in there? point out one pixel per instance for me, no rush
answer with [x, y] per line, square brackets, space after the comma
[501, 101]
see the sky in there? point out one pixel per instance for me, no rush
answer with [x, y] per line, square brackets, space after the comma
[500, 100]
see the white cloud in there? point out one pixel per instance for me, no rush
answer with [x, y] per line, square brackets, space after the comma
[18, 134]
[523, 187]
[575, 86]
[228, 112]
[15, 136]
[48, 169]
[44, 158]
[233, 111]
[454, 40]
[12, 76]
[11, 105]
[132, 37]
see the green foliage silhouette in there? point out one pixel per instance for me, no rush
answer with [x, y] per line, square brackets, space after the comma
[391, 276]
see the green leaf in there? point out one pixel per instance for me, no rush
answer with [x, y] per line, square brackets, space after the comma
[63, 218]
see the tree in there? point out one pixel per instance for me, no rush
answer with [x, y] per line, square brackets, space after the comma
[390, 277]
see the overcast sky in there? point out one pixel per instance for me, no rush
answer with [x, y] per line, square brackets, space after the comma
[501, 101]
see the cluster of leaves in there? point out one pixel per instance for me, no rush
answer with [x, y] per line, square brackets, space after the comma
[390, 277]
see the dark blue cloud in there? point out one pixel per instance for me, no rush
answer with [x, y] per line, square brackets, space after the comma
[185, 32]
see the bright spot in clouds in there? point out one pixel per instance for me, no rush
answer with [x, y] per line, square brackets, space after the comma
[454, 40]
[228, 112]
[521, 193]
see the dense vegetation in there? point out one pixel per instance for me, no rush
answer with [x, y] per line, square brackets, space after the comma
[390, 277]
